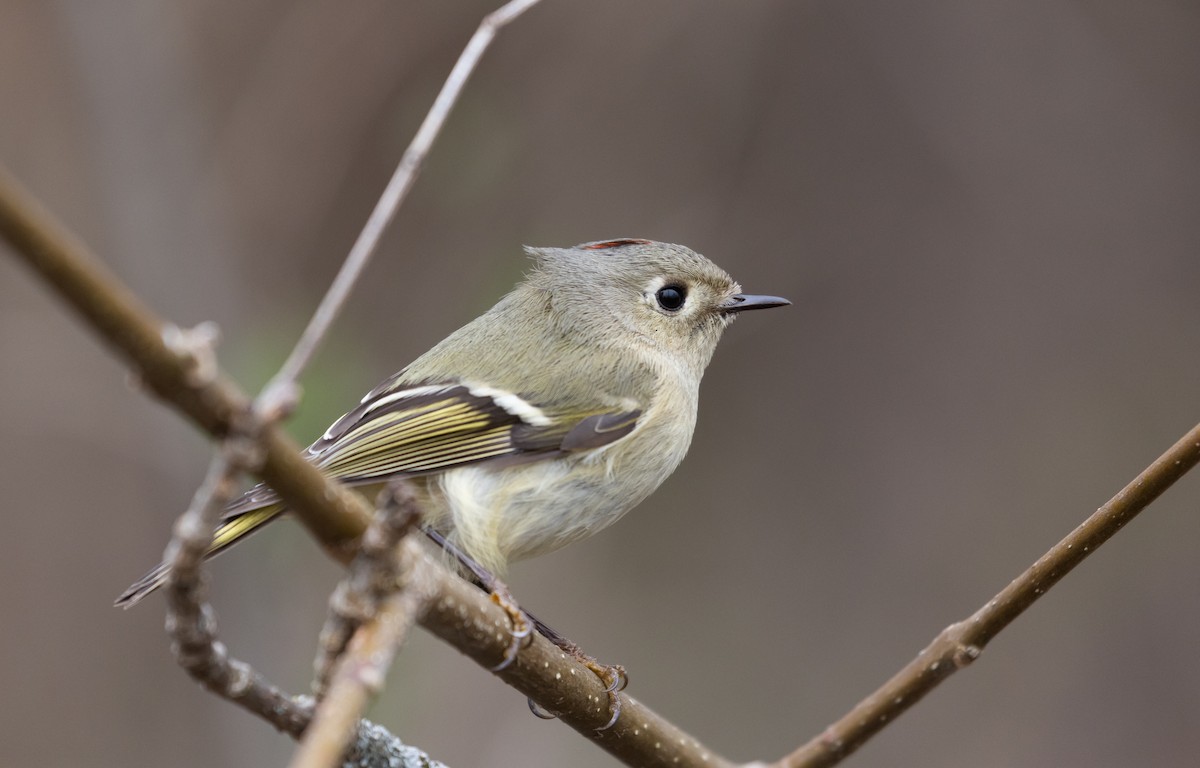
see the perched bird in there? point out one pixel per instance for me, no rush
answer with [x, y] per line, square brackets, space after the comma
[545, 419]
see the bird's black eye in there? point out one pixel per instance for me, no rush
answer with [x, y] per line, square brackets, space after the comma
[671, 297]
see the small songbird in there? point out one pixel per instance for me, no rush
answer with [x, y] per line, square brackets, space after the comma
[545, 419]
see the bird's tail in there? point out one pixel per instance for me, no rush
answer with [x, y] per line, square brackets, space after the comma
[235, 527]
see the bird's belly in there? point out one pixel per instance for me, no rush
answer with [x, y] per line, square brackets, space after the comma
[497, 515]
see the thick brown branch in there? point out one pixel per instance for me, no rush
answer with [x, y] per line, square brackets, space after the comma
[961, 643]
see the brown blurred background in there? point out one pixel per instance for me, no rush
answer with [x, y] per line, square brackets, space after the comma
[986, 213]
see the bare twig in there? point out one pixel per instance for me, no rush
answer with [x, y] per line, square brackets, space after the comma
[374, 575]
[361, 671]
[393, 195]
[961, 643]
[191, 622]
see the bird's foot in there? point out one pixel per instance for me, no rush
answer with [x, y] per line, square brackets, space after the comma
[613, 676]
[522, 628]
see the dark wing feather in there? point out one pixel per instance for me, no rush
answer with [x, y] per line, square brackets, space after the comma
[599, 430]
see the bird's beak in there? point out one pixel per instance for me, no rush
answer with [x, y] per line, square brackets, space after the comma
[743, 301]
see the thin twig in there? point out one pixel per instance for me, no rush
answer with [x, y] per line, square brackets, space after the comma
[393, 196]
[361, 671]
[191, 622]
[960, 644]
[374, 575]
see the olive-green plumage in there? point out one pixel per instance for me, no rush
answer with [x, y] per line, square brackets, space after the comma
[546, 418]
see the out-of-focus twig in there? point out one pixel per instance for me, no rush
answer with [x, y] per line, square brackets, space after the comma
[961, 643]
[360, 672]
[375, 573]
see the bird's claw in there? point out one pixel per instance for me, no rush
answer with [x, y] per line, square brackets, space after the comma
[522, 629]
[613, 676]
[538, 711]
[615, 679]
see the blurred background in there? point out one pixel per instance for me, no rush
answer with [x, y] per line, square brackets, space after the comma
[986, 213]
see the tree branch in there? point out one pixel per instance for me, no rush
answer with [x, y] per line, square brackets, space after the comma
[961, 643]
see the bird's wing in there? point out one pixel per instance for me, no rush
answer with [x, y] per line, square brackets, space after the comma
[416, 430]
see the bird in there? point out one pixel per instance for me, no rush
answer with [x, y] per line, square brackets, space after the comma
[542, 421]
